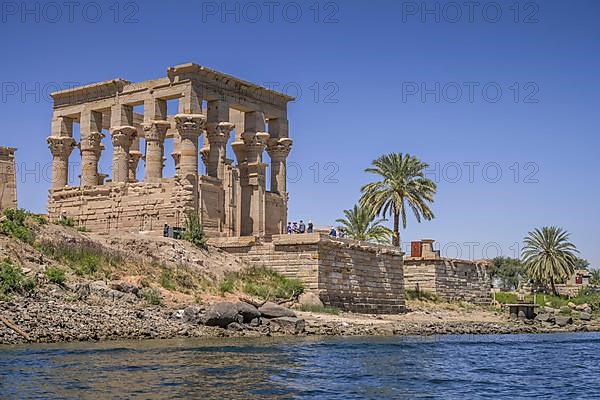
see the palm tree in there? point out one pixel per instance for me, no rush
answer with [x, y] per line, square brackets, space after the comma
[403, 185]
[595, 277]
[549, 256]
[360, 224]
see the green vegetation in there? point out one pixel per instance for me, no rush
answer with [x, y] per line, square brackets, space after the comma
[421, 295]
[403, 186]
[194, 231]
[66, 221]
[12, 279]
[86, 259]
[549, 256]
[152, 296]
[595, 277]
[585, 296]
[166, 279]
[55, 275]
[509, 272]
[319, 309]
[360, 224]
[14, 224]
[263, 283]
[581, 263]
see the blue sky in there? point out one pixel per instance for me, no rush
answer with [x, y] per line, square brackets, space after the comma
[505, 88]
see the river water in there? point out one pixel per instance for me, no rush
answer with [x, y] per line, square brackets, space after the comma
[557, 366]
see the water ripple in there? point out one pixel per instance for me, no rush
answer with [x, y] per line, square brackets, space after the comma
[449, 367]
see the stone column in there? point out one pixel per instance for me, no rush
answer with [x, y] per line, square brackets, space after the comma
[122, 137]
[217, 135]
[134, 158]
[61, 148]
[278, 150]
[91, 147]
[155, 133]
[218, 130]
[248, 150]
[190, 127]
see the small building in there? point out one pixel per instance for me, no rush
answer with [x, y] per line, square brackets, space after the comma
[579, 279]
[450, 279]
[8, 178]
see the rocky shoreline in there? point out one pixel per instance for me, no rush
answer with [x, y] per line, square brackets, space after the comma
[59, 315]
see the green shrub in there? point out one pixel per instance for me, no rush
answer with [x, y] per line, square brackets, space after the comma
[152, 296]
[320, 309]
[66, 221]
[227, 285]
[12, 279]
[14, 225]
[166, 280]
[421, 295]
[262, 282]
[194, 231]
[86, 259]
[55, 275]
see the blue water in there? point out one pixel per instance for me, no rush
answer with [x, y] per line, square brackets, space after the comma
[558, 366]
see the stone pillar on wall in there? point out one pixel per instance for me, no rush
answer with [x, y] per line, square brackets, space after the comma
[122, 134]
[279, 147]
[134, 158]
[218, 130]
[189, 127]
[278, 150]
[248, 150]
[90, 146]
[61, 148]
[155, 133]
[122, 138]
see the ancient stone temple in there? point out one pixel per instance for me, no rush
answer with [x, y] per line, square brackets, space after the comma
[8, 178]
[215, 112]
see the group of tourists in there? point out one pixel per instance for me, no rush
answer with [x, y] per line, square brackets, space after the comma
[295, 227]
[340, 232]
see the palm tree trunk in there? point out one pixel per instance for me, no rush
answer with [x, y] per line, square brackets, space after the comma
[396, 238]
[554, 291]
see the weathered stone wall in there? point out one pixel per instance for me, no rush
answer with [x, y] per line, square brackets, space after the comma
[8, 181]
[346, 274]
[131, 207]
[449, 279]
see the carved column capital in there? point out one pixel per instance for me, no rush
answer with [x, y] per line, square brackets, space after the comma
[92, 143]
[218, 132]
[255, 143]
[190, 125]
[61, 146]
[122, 136]
[156, 130]
[279, 148]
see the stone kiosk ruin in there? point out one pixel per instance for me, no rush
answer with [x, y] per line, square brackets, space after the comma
[240, 211]
[232, 200]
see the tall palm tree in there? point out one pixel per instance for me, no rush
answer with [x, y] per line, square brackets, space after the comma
[548, 255]
[403, 185]
[595, 277]
[360, 224]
